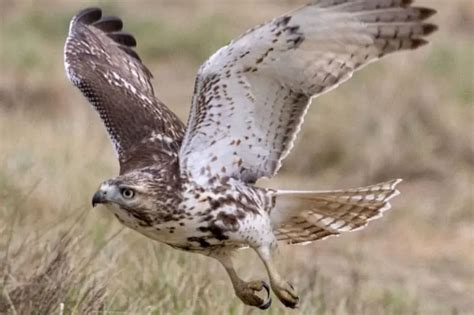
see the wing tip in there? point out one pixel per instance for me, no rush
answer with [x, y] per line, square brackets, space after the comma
[122, 38]
[429, 28]
[426, 13]
[88, 15]
[419, 42]
[110, 26]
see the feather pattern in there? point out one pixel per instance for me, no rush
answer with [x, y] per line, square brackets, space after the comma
[301, 217]
[196, 191]
[100, 61]
[251, 96]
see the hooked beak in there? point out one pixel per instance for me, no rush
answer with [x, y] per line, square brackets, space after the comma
[99, 197]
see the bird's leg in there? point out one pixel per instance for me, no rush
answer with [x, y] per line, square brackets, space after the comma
[246, 291]
[285, 292]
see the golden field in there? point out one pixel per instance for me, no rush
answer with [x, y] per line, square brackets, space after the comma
[409, 116]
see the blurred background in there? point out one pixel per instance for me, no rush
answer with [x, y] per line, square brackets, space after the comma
[409, 116]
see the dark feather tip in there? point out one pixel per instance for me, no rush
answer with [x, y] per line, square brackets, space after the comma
[123, 38]
[406, 3]
[88, 16]
[429, 28]
[109, 24]
[426, 13]
[418, 42]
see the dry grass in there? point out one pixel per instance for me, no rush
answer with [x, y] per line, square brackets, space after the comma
[410, 116]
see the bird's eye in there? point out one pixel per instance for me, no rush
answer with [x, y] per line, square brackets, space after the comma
[127, 193]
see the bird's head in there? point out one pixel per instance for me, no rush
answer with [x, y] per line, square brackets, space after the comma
[136, 190]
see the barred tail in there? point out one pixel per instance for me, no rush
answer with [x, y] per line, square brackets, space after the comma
[306, 216]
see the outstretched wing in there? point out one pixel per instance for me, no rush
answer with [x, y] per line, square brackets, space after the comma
[100, 61]
[251, 96]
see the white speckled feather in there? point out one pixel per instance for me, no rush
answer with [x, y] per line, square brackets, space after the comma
[251, 96]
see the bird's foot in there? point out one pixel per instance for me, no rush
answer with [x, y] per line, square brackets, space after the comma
[247, 292]
[286, 293]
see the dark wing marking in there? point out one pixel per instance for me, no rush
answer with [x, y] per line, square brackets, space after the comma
[100, 61]
[251, 96]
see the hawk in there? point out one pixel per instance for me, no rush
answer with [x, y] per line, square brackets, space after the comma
[193, 186]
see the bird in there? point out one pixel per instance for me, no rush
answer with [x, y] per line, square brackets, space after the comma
[194, 186]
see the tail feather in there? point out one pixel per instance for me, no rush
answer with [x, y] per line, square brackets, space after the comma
[305, 216]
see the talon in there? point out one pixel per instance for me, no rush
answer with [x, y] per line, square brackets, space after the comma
[268, 299]
[266, 287]
[291, 304]
[267, 304]
[287, 295]
[247, 293]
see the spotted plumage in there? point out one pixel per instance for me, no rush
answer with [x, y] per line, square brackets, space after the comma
[194, 187]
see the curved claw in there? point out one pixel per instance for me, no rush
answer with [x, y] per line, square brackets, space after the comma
[266, 287]
[266, 304]
[247, 293]
[287, 295]
[290, 303]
